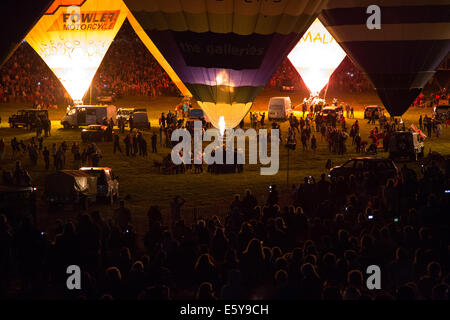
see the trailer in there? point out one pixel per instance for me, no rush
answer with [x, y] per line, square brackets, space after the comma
[70, 187]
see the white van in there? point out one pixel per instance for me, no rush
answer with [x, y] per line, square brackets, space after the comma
[85, 115]
[280, 108]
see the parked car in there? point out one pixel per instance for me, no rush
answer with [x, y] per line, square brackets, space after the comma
[382, 168]
[329, 110]
[94, 133]
[369, 110]
[27, 118]
[107, 182]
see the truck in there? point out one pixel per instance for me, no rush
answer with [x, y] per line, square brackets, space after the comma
[70, 187]
[85, 115]
[406, 145]
[27, 118]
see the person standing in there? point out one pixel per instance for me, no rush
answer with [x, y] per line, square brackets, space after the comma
[117, 143]
[135, 144]
[122, 216]
[127, 142]
[49, 128]
[163, 120]
[438, 130]
[428, 125]
[358, 143]
[313, 143]
[131, 123]
[121, 124]
[46, 155]
[154, 139]
[54, 154]
[143, 146]
[76, 159]
[2, 148]
[420, 123]
[175, 207]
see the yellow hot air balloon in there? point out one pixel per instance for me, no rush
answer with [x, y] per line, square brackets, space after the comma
[73, 36]
[316, 56]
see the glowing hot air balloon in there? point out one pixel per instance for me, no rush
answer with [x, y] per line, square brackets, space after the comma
[401, 56]
[316, 56]
[73, 37]
[223, 51]
[16, 20]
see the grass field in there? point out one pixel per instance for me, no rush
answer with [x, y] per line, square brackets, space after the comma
[209, 193]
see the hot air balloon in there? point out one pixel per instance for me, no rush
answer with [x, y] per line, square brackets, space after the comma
[401, 56]
[224, 51]
[316, 56]
[73, 37]
[16, 20]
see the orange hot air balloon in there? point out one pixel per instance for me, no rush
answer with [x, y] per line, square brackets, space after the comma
[73, 37]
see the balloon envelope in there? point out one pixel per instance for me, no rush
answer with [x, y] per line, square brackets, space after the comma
[316, 56]
[400, 57]
[73, 37]
[224, 51]
[16, 20]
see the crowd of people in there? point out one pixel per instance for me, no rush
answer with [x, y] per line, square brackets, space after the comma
[346, 78]
[129, 69]
[318, 246]
[25, 78]
[53, 156]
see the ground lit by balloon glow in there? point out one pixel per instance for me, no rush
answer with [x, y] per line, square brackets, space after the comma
[316, 57]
